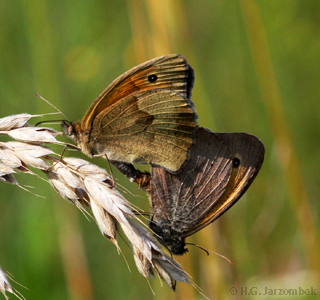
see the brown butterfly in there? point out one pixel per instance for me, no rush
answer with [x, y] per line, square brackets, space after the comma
[220, 169]
[144, 116]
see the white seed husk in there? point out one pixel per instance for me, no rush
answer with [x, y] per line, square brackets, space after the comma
[14, 121]
[83, 184]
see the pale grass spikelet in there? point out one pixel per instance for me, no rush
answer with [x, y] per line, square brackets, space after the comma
[6, 174]
[66, 183]
[164, 274]
[108, 205]
[86, 168]
[66, 175]
[66, 191]
[84, 185]
[140, 239]
[108, 197]
[14, 121]
[30, 154]
[5, 170]
[5, 286]
[105, 222]
[147, 253]
[168, 269]
[143, 264]
[8, 158]
[34, 135]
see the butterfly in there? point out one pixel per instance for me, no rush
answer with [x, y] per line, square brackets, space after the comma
[144, 116]
[220, 169]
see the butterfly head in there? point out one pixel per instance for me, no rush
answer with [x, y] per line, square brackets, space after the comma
[169, 238]
[74, 131]
[68, 129]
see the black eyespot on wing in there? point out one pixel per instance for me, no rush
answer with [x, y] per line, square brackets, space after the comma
[236, 162]
[152, 78]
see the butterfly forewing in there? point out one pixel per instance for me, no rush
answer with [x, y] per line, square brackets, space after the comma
[144, 116]
[170, 72]
[181, 201]
[156, 126]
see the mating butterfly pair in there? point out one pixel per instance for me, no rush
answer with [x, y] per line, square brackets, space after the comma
[146, 116]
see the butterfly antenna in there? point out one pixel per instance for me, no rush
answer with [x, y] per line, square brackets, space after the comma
[227, 259]
[50, 121]
[207, 251]
[45, 100]
[200, 247]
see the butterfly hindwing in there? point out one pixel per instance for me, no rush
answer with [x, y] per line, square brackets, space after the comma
[220, 169]
[181, 201]
[247, 158]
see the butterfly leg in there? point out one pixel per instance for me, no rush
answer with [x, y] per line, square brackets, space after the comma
[142, 178]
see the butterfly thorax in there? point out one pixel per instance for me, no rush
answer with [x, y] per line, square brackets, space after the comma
[169, 237]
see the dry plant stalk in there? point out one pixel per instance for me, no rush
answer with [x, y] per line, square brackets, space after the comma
[86, 186]
[5, 286]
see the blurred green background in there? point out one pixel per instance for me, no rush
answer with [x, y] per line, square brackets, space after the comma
[257, 71]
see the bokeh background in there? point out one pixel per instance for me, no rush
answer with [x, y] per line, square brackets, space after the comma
[257, 70]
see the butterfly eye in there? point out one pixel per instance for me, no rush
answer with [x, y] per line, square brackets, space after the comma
[236, 162]
[152, 78]
[70, 130]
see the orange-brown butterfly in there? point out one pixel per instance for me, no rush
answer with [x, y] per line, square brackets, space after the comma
[144, 116]
[220, 169]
